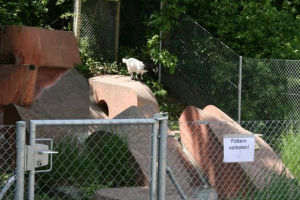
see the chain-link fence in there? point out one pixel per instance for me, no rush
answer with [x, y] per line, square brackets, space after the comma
[207, 72]
[97, 28]
[113, 161]
[270, 89]
[110, 161]
[7, 161]
[107, 29]
[274, 173]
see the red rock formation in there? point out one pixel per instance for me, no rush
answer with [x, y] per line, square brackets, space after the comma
[39, 46]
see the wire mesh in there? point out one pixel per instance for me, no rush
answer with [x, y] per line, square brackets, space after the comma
[274, 174]
[98, 29]
[207, 72]
[270, 89]
[109, 162]
[7, 161]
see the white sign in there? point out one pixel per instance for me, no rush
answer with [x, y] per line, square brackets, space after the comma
[238, 147]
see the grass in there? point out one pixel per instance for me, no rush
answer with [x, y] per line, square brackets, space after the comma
[281, 186]
[290, 151]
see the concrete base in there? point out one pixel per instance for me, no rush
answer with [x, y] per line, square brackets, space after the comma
[117, 93]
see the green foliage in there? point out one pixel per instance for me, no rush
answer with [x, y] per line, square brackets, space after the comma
[72, 165]
[23, 12]
[164, 57]
[112, 151]
[278, 187]
[257, 29]
[166, 100]
[264, 83]
[61, 13]
[165, 19]
[91, 65]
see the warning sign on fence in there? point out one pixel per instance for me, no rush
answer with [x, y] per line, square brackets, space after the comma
[238, 147]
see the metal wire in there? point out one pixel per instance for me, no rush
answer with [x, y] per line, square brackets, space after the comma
[113, 160]
[96, 28]
[208, 73]
[7, 162]
[276, 164]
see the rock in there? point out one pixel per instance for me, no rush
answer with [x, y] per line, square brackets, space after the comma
[126, 93]
[139, 140]
[40, 46]
[68, 97]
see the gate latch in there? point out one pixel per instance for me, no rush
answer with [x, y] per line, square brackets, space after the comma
[38, 155]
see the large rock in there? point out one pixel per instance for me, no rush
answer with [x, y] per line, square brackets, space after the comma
[205, 143]
[17, 85]
[66, 96]
[25, 53]
[117, 93]
[39, 46]
[139, 138]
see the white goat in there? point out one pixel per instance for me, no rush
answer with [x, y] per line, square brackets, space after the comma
[135, 66]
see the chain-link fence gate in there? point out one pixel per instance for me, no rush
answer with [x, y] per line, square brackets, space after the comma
[96, 159]
[117, 159]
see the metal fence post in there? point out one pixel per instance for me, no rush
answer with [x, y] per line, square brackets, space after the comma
[20, 161]
[117, 30]
[153, 168]
[77, 18]
[240, 90]
[160, 47]
[31, 173]
[162, 155]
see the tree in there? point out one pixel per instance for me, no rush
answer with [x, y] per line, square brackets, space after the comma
[22, 12]
[252, 28]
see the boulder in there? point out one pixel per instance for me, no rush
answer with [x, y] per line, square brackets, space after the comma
[39, 46]
[139, 139]
[126, 93]
[65, 96]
